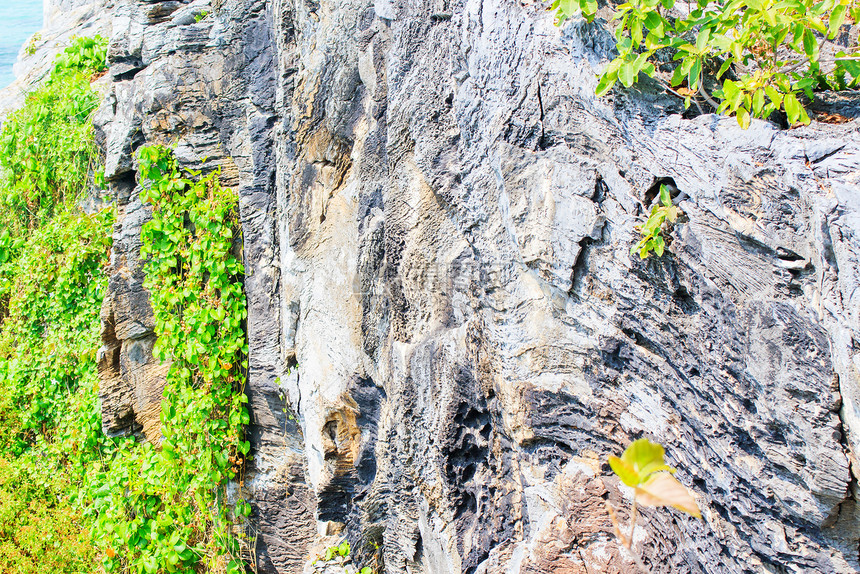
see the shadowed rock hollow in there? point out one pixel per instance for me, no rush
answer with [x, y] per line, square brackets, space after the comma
[448, 334]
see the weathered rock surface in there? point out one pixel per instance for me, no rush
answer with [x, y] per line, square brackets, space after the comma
[448, 333]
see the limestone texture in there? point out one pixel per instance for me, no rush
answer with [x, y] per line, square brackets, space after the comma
[448, 333]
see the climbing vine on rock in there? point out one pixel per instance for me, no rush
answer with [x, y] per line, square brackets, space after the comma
[164, 508]
[47, 148]
[760, 55]
[52, 280]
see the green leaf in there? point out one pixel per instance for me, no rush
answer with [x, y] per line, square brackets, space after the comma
[627, 74]
[837, 17]
[658, 245]
[665, 195]
[655, 23]
[646, 457]
[810, 45]
[605, 84]
[702, 40]
[743, 117]
[724, 67]
[625, 471]
[694, 73]
[774, 96]
[758, 102]
[793, 108]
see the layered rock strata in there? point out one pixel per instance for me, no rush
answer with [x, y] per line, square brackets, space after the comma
[448, 334]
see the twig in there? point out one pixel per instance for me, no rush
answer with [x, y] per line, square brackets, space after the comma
[632, 524]
[708, 97]
[626, 543]
[670, 90]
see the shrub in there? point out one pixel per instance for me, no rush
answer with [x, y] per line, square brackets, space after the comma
[761, 54]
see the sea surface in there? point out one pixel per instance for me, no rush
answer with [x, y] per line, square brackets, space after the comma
[19, 19]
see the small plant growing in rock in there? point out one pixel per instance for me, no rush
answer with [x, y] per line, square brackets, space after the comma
[652, 229]
[30, 48]
[200, 16]
[341, 550]
[643, 468]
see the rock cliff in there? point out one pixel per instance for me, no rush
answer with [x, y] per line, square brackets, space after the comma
[448, 334]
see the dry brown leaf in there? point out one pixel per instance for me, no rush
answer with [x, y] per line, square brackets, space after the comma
[663, 489]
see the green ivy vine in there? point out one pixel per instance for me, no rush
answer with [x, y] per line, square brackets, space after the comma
[53, 258]
[164, 508]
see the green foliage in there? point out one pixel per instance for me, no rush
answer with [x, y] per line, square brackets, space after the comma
[66, 490]
[164, 509]
[200, 16]
[51, 424]
[652, 229]
[341, 549]
[87, 55]
[52, 281]
[46, 147]
[763, 54]
[30, 48]
[38, 533]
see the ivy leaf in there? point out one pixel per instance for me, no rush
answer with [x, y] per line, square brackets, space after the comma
[663, 489]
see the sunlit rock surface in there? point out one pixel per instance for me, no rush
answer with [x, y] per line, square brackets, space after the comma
[448, 334]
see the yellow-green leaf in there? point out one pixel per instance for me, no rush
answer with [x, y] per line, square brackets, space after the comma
[645, 457]
[793, 108]
[743, 118]
[625, 471]
[836, 19]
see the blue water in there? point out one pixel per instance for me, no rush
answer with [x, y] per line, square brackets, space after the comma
[19, 19]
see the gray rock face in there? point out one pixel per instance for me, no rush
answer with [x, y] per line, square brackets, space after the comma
[448, 334]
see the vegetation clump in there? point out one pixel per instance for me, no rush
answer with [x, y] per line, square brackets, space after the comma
[761, 55]
[662, 212]
[52, 281]
[70, 497]
[164, 507]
